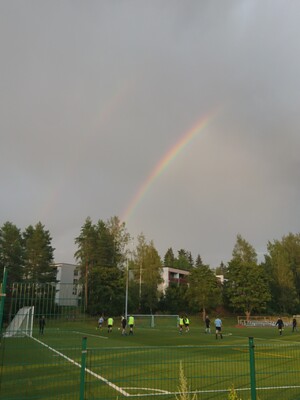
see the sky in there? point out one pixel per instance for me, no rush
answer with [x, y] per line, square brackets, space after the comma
[179, 117]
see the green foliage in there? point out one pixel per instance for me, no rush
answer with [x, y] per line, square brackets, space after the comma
[283, 266]
[38, 255]
[198, 262]
[101, 256]
[243, 252]
[106, 293]
[184, 260]
[221, 269]
[146, 267]
[246, 286]
[174, 300]
[169, 258]
[204, 289]
[11, 252]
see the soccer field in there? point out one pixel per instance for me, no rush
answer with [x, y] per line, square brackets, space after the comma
[147, 364]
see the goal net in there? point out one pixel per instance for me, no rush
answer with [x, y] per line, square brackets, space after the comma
[262, 321]
[22, 323]
[151, 320]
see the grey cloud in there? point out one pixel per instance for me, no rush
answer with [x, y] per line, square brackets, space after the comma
[94, 94]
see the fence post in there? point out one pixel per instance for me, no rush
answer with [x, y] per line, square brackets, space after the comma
[83, 365]
[252, 368]
[2, 299]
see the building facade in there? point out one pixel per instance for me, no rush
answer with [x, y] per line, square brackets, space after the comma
[173, 275]
[67, 288]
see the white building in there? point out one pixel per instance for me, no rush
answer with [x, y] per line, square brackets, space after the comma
[173, 275]
[67, 287]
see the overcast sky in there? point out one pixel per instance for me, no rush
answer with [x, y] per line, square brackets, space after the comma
[94, 94]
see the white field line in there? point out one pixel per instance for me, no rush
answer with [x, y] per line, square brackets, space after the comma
[90, 334]
[212, 390]
[101, 378]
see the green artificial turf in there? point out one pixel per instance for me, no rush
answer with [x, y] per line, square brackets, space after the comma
[148, 362]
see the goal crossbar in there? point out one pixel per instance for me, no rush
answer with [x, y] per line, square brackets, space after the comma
[153, 319]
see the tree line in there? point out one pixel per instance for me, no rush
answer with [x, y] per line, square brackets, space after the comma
[109, 265]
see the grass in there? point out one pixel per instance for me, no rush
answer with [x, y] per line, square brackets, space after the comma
[151, 361]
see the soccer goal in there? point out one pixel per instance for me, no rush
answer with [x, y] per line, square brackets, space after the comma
[151, 320]
[262, 321]
[22, 323]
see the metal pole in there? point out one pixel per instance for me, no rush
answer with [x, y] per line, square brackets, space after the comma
[83, 365]
[3, 295]
[126, 294]
[252, 368]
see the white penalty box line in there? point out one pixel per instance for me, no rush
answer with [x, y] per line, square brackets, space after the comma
[101, 378]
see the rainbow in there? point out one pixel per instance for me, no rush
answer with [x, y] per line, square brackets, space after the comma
[165, 161]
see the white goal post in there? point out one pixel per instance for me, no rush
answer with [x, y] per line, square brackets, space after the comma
[152, 320]
[22, 323]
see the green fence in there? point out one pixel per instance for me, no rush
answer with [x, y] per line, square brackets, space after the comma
[72, 360]
[32, 368]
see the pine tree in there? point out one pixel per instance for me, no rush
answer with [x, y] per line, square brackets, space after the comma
[246, 282]
[169, 258]
[11, 252]
[38, 255]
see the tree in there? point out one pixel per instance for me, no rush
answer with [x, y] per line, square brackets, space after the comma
[204, 289]
[169, 258]
[105, 247]
[198, 262]
[174, 300]
[283, 265]
[38, 255]
[221, 269]
[152, 278]
[246, 282]
[147, 272]
[121, 239]
[106, 293]
[11, 252]
[101, 256]
[11, 257]
[86, 253]
[184, 260]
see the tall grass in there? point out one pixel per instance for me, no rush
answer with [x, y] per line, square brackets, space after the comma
[183, 387]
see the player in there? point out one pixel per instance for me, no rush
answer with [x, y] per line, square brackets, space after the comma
[218, 325]
[123, 325]
[186, 323]
[100, 322]
[131, 324]
[207, 324]
[280, 325]
[181, 324]
[42, 323]
[110, 323]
